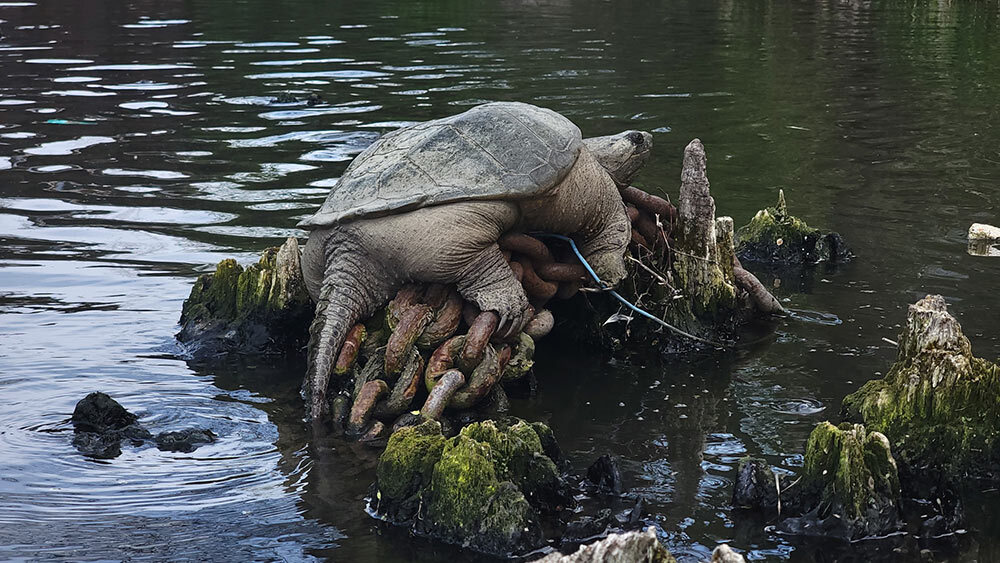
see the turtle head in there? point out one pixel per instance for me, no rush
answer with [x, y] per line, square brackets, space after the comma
[622, 154]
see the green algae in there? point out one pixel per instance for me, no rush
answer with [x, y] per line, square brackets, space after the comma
[263, 308]
[406, 465]
[482, 488]
[938, 404]
[518, 455]
[855, 473]
[848, 486]
[775, 236]
[463, 479]
[214, 295]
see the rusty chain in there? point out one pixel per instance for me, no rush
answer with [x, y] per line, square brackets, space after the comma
[415, 341]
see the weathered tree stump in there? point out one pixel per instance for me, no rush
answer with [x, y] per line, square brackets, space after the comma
[263, 309]
[848, 487]
[485, 488]
[938, 404]
[629, 547]
[777, 238]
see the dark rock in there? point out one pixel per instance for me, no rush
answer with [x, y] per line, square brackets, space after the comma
[184, 440]
[98, 412]
[755, 484]
[634, 516]
[310, 99]
[100, 446]
[100, 424]
[605, 474]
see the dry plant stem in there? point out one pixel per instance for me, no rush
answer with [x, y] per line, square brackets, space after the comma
[646, 226]
[441, 395]
[365, 403]
[652, 272]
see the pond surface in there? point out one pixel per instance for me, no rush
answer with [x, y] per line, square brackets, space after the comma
[139, 145]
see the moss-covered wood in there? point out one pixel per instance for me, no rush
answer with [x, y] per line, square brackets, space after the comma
[938, 404]
[776, 237]
[848, 486]
[856, 476]
[485, 488]
[261, 309]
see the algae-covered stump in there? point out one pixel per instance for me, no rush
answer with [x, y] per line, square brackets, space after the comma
[938, 404]
[261, 309]
[776, 237]
[848, 486]
[486, 488]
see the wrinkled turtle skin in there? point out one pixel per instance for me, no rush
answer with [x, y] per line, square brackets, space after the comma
[427, 203]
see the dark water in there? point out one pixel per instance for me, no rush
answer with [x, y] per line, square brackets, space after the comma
[137, 147]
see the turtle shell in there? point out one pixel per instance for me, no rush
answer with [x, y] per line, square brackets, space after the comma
[501, 150]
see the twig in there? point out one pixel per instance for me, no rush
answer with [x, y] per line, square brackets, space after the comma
[655, 274]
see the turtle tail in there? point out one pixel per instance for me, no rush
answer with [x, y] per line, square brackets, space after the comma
[351, 290]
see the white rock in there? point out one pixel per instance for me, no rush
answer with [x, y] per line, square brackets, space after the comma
[981, 231]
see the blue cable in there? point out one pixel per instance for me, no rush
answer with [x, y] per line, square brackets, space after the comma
[615, 294]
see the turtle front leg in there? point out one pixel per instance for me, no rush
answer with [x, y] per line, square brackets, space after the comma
[488, 281]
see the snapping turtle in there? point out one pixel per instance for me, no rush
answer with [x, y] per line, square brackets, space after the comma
[427, 203]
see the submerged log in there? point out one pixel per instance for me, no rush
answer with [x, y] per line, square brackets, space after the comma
[263, 309]
[939, 405]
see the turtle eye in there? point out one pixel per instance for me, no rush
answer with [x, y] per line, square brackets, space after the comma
[636, 138]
